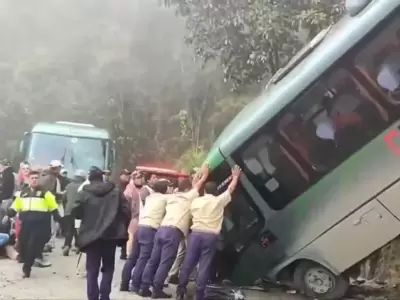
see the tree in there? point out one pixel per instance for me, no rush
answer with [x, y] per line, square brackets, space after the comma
[113, 64]
[252, 39]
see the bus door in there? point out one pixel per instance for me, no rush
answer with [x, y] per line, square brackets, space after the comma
[239, 253]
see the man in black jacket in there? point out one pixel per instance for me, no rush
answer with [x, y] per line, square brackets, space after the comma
[105, 218]
[7, 180]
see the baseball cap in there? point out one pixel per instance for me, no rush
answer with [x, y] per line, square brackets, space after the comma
[56, 164]
[80, 173]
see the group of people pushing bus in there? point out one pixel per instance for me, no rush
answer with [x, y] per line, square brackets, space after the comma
[148, 217]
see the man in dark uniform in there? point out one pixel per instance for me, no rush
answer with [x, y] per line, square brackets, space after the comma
[207, 216]
[35, 207]
[105, 218]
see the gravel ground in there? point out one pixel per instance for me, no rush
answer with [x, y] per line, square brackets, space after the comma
[61, 282]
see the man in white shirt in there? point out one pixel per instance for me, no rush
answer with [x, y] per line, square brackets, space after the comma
[150, 219]
[174, 228]
[207, 216]
[148, 188]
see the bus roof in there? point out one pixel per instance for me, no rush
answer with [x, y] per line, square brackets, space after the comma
[340, 38]
[71, 129]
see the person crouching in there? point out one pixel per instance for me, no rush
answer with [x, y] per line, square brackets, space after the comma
[105, 216]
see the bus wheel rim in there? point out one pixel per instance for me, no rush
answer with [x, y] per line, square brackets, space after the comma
[319, 280]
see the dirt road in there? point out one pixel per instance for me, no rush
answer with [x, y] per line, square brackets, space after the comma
[61, 282]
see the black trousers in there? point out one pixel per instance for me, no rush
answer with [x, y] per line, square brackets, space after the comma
[100, 256]
[33, 237]
[69, 231]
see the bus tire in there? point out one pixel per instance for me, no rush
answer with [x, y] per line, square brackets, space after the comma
[318, 282]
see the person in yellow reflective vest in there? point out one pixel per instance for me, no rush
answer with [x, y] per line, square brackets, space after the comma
[35, 207]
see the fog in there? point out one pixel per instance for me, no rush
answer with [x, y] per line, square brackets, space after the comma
[116, 64]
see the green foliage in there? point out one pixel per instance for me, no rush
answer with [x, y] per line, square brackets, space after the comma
[191, 159]
[252, 39]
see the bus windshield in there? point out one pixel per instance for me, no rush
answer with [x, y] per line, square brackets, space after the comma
[74, 152]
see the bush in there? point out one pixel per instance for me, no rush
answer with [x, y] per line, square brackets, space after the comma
[191, 158]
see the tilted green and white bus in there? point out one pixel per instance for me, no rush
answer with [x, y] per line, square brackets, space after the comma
[320, 152]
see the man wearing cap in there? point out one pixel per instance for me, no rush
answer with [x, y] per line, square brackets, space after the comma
[69, 197]
[173, 230]
[105, 217]
[7, 180]
[150, 219]
[50, 182]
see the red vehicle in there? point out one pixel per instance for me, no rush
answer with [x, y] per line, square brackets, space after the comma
[169, 174]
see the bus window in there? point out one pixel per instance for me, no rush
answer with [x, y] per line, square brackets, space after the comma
[335, 117]
[271, 170]
[379, 62]
[329, 122]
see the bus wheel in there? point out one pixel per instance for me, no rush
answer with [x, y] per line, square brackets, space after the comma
[318, 282]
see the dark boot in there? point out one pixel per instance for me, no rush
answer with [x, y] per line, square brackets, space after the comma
[134, 290]
[174, 279]
[66, 251]
[145, 293]
[160, 295]
[124, 288]
[180, 296]
[26, 273]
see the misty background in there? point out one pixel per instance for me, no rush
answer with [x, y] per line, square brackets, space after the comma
[164, 76]
[121, 65]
